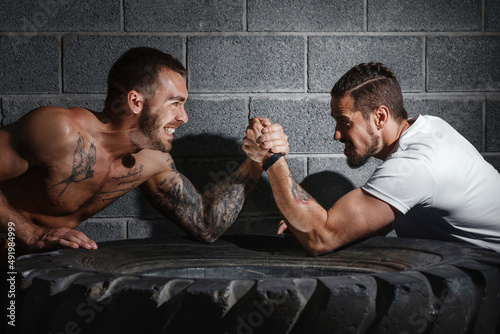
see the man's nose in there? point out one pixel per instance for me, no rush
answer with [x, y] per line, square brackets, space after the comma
[337, 135]
[182, 116]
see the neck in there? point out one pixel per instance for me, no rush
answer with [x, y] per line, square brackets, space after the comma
[106, 116]
[116, 136]
[114, 115]
[392, 138]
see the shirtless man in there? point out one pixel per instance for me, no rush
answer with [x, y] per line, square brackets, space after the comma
[59, 167]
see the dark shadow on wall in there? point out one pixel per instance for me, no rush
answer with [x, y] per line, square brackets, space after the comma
[207, 146]
[327, 187]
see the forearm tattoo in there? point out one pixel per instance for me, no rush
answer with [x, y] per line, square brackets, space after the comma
[83, 162]
[226, 201]
[204, 216]
[182, 203]
[298, 192]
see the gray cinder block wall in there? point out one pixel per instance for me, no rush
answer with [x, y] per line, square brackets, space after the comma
[246, 58]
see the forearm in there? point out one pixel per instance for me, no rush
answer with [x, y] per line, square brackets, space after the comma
[305, 217]
[225, 201]
[204, 216]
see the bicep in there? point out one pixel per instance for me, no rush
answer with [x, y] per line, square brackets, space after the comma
[358, 214]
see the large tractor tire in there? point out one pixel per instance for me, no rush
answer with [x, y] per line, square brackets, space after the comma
[260, 284]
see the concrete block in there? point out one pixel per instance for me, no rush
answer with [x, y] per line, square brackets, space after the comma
[29, 64]
[493, 125]
[101, 230]
[424, 15]
[330, 57]
[183, 15]
[492, 15]
[60, 15]
[262, 200]
[463, 63]
[305, 15]
[216, 126]
[306, 121]
[15, 107]
[246, 64]
[156, 228]
[463, 114]
[87, 59]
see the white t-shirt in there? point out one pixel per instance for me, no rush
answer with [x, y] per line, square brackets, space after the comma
[442, 185]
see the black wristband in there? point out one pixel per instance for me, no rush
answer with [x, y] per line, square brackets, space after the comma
[269, 162]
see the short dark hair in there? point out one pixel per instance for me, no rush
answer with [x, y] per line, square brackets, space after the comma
[137, 69]
[371, 85]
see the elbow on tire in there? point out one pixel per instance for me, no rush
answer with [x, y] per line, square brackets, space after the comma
[318, 244]
[315, 247]
[207, 239]
[206, 235]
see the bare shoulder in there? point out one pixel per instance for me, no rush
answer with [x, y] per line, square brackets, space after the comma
[55, 118]
[47, 132]
[38, 136]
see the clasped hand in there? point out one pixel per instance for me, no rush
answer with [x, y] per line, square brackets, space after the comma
[263, 139]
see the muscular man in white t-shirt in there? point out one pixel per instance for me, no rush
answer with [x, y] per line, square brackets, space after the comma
[432, 183]
[442, 185]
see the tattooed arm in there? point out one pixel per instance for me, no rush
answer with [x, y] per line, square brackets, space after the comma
[353, 216]
[204, 216]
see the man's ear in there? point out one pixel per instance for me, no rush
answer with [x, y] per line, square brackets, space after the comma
[381, 116]
[135, 101]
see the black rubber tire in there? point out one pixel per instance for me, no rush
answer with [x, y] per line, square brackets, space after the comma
[260, 284]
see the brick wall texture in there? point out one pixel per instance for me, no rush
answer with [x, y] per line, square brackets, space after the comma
[246, 58]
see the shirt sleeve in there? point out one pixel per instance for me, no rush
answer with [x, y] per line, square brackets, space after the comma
[402, 182]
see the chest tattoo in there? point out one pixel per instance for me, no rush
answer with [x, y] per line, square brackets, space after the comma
[83, 162]
[125, 183]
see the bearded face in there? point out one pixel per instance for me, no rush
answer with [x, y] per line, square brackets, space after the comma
[357, 159]
[150, 126]
[163, 112]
